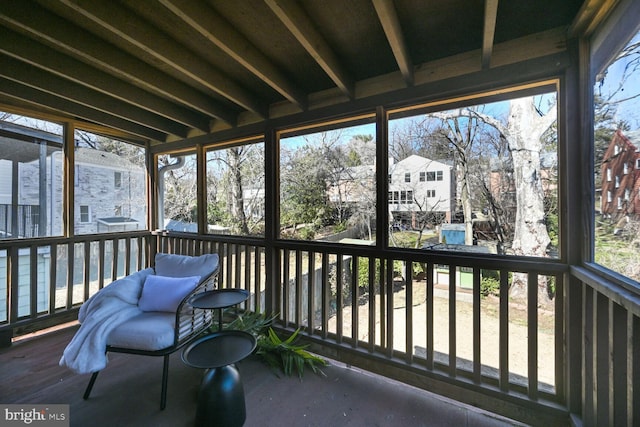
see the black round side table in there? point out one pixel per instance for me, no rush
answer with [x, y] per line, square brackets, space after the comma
[219, 299]
[221, 396]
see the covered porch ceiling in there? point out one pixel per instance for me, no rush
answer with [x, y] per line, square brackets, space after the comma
[165, 70]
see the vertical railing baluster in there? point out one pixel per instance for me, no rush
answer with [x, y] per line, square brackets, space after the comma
[70, 270]
[339, 299]
[230, 265]
[408, 289]
[116, 258]
[87, 269]
[238, 270]
[53, 277]
[101, 260]
[532, 332]
[311, 300]
[326, 294]
[618, 363]
[372, 303]
[286, 260]
[249, 253]
[602, 366]
[559, 338]
[588, 353]
[477, 365]
[298, 300]
[383, 302]
[503, 338]
[633, 369]
[355, 300]
[429, 317]
[388, 327]
[14, 282]
[127, 258]
[33, 281]
[452, 320]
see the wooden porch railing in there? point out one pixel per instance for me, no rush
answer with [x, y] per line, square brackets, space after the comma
[428, 319]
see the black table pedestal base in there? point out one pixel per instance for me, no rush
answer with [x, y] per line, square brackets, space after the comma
[221, 398]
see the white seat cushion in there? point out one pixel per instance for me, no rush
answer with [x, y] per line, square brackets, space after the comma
[146, 331]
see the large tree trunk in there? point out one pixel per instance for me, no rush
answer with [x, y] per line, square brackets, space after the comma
[237, 202]
[525, 130]
[466, 205]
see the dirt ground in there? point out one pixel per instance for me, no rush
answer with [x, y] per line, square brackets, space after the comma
[489, 332]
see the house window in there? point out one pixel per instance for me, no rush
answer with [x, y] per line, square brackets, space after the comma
[619, 203]
[407, 177]
[117, 210]
[609, 175]
[438, 175]
[637, 163]
[423, 176]
[609, 197]
[85, 214]
[117, 179]
[431, 176]
[617, 181]
[626, 168]
[627, 194]
[431, 193]
[616, 150]
[389, 178]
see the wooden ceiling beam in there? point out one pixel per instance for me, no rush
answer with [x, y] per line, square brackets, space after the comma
[25, 94]
[219, 32]
[391, 24]
[138, 33]
[41, 56]
[19, 71]
[488, 34]
[65, 37]
[590, 15]
[300, 25]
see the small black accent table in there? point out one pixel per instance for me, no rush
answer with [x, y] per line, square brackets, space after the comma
[221, 396]
[219, 299]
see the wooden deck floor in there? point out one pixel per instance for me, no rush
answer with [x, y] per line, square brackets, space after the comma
[127, 393]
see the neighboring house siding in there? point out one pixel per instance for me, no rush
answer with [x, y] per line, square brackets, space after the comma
[95, 187]
[429, 182]
[620, 189]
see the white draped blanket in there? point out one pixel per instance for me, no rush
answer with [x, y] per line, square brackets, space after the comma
[98, 316]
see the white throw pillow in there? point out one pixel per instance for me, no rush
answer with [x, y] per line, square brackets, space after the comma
[161, 293]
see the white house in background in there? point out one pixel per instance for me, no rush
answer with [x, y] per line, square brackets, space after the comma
[420, 189]
[110, 193]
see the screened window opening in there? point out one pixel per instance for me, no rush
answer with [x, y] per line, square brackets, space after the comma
[328, 185]
[481, 192]
[177, 192]
[236, 190]
[31, 177]
[616, 147]
[109, 172]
